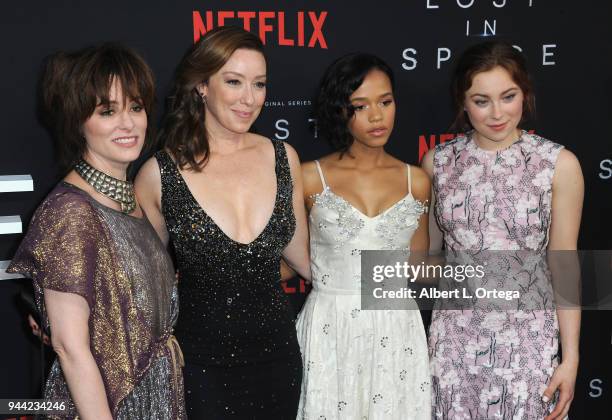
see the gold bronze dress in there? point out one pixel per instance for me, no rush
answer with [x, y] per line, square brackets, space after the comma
[119, 266]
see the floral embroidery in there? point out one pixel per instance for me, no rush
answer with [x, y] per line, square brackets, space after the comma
[349, 222]
[495, 201]
[404, 215]
[347, 343]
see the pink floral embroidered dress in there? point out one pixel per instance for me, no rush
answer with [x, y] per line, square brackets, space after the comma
[487, 363]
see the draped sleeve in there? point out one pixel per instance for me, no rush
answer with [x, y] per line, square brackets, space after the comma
[62, 246]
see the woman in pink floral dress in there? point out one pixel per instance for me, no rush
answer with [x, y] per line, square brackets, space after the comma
[498, 188]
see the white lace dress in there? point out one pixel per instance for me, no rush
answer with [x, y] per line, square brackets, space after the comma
[359, 364]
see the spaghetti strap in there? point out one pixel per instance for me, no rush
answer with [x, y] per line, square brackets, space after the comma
[409, 181]
[321, 174]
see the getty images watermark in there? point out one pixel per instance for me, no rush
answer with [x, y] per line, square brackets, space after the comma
[494, 280]
[405, 271]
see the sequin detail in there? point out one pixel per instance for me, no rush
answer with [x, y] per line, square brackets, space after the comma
[349, 222]
[394, 220]
[234, 315]
[354, 356]
[389, 223]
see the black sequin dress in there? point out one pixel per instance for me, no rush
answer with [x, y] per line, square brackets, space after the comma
[236, 326]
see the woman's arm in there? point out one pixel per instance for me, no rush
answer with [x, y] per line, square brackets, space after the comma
[37, 331]
[296, 254]
[287, 273]
[421, 190]
[311, 184]
[419, 245]
[68, 317]
[435, 234]
[148, 192]
[567, 197]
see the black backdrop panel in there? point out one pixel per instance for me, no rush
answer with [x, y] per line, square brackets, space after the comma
[567, 44]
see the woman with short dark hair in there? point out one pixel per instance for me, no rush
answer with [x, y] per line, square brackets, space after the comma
[103, 281]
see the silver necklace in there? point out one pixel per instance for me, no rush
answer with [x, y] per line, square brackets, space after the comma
[113, 188]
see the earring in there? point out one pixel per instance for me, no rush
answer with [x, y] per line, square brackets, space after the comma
[203, 97]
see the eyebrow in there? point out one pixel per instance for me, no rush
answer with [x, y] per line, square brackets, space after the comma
[129, 98]
[114, 103]
[107, 103]
[503, 93]
[242, 75]
[365, 99]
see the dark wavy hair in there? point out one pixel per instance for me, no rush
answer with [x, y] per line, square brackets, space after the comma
[485, 57]
[333, 109]
[73, 84]
[183, 131]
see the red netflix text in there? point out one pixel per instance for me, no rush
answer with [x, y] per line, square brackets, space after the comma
[294, 287]
[301, 29]
[434, 139]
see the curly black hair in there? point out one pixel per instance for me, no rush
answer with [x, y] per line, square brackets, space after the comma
[333, 109]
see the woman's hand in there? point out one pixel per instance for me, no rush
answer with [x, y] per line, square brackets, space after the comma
[37, 331]
[564, 380]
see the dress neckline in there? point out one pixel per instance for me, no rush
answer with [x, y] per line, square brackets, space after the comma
[327, 189]
[212, 221]
[476, 147]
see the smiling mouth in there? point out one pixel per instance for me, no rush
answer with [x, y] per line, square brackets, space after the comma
[126, 141]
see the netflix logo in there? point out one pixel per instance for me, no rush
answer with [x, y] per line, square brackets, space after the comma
[300, 29]
[294, 285]
[434, 139]
[429, 141]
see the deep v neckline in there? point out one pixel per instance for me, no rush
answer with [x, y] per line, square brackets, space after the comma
[212, 221]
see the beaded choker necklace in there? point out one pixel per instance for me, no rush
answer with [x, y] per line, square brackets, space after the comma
[113, 188]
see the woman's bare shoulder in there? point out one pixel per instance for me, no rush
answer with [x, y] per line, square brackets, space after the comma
[421, 185]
